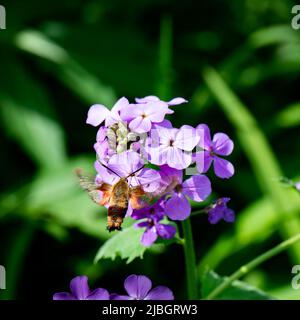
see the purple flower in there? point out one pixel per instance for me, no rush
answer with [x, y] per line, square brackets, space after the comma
[169, 178]
[154, 228]
[220, 211]
[98, 113]
[128, 165]
[141, 116]
[221, 145]
[173, 102]
[197, 188]
[139, 287]
[173, 146]
[297, 186]
[81, 291]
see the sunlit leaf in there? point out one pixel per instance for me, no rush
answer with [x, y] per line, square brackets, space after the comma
[125, 244]
[289, 116]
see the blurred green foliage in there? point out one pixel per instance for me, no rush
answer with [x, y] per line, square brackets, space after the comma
[237, 63]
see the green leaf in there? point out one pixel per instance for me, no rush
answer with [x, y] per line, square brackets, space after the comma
[289, 116]
[238, 290]
[273, 35]
[286, 292]
[125, 244]
[152, 166]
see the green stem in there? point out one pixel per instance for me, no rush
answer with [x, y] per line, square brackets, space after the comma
[251, 265]
[190, 260]
[196, 212]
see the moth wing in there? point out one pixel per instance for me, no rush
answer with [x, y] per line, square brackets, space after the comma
[88, 184]
[137, 197]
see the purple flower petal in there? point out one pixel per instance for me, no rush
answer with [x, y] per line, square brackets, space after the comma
[131, 111]
[63, 296]
[222, 144]
[297, 186]
[186, 138]
[215, 215]
[223, 201]
[176, 101]
[165, 231]
[229, 215]
[102, 150]
[178, 159]
[203, 161]
[223, 168]
[160, 293]
[140, 124]
[101, 134]
[97, 114]
[98, 294]
[137, 286]
[178, 207]
[166, 124]
[114, 115]
[120, 105]
[218, 210]
[143, 224]
[156, 111]
[79, 287]
[205, 138]
[125, 163]
[148, 177]
[197, 188]
[104, 175]
[159, 155]
[147, 99]
[167, 135]
[149, 237]
[168, 175]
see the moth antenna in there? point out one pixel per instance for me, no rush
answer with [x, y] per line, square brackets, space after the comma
[109, 168]
[133, 173]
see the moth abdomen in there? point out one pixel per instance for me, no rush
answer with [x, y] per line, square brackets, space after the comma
[115, 216]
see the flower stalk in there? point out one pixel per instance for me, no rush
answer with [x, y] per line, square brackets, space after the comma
[190, 260]
[251, 265]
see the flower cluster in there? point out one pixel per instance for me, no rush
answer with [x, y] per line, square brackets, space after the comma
[135, 141]
[138, 287]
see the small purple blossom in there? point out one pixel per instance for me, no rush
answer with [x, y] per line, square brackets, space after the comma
[139, 287]
[220, 145]
[173, 146]
[219, 210]
[297, 186]
[172, 102]
[153, 216]
[98, 113]
[197, 188]
[141, 116]
[80, 291]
